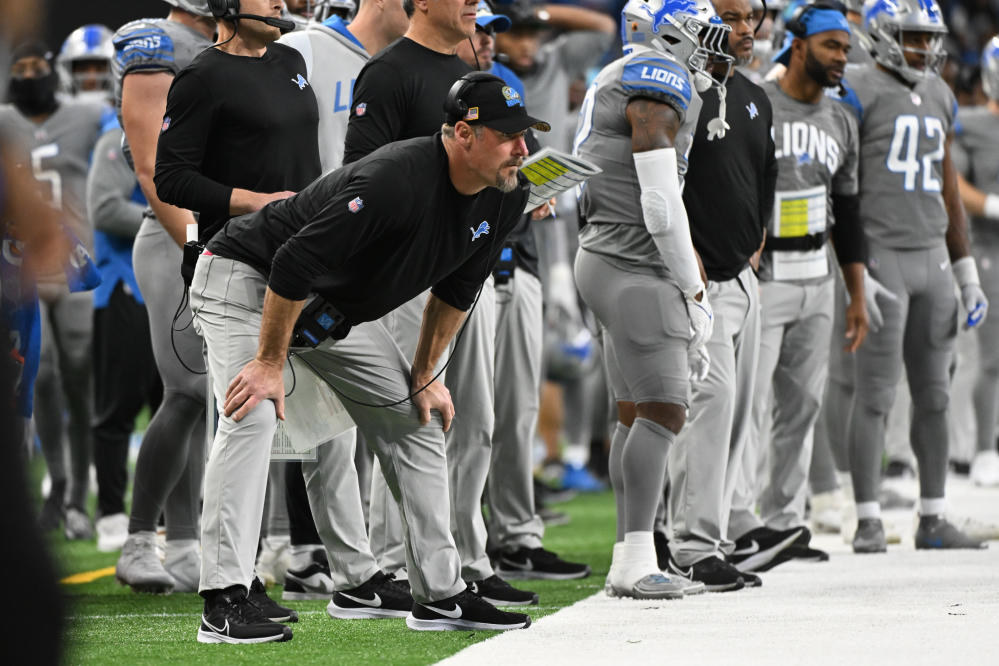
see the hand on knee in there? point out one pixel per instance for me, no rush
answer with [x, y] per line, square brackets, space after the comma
[668, 415]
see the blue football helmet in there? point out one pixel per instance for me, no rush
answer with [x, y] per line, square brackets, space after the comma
[689, 30]
[885, 21]
[87, 43]
[990, 69]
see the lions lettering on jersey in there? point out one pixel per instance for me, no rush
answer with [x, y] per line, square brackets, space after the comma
[658, 78]
[151, 43]
[808, 143]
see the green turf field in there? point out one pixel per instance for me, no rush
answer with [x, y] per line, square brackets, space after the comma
[109, 624]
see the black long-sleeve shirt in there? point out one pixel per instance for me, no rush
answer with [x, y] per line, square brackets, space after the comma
[237, 122]
[373, 234]
[399, 94]
[729, 185]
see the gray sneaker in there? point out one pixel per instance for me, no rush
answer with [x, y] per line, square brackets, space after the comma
[654, 586]
[183, 564]
[870, 536]
[934, 532]
[78, 526]
[140, 568]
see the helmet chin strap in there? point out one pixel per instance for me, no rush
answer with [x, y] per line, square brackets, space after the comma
[717, 126]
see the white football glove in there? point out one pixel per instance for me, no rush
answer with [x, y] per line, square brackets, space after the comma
[872, 290]
[699, 363]
[701, 320]
[972, 297]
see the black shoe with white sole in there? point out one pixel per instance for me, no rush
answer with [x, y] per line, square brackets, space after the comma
[379, 597]
[498, 592]
[229, 617]
[758, 550]
[270, 609]
[311, 582]
[464, 611]
[538, 564]
[716, 574]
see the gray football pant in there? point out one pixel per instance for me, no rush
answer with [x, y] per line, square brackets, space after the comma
[706, 464]
[335, 498]
[227, 299]
[513, 522]
[169, 469]
[469, 378]
[986, 393]
[796, 322]
[384, 521]
[65, 383]
[919, 331]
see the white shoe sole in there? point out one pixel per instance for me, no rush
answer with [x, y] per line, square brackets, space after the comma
[338, 613]
[445, 624]
[209, 637]
[521, 574]
[305, 596]
[504, 602]
[147, 587]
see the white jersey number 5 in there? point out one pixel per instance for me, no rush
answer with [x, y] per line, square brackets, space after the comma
[50, 176]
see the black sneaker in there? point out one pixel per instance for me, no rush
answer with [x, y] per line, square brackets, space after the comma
[312, 582]
[538, 564]
[498, 592]
[380, 596]
[757, 549]
[229, 617]
[53, 512]
[270, 608]
[934, 532]
[801, 549]
[716, 574]
[750, 579]
[464, 611]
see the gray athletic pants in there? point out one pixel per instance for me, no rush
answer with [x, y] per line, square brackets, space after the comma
[510, 492]
[227, 301]
[469, 378]
[384, 521]
[169, 469]
[65, 383]
[706, 465]
[919, 331]
[986, 393]
[796, 323]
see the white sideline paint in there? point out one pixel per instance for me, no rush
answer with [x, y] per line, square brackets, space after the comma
[904, 607]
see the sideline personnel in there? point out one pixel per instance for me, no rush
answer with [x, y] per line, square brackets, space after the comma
[365, 253]
[239, 131]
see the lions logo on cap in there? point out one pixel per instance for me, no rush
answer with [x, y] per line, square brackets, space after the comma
[512, 96]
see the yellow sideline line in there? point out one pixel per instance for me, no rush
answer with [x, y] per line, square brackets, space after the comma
[87, 576]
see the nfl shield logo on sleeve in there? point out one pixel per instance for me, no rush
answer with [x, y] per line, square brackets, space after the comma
[361, 108]
[166, 124]
[356, 204]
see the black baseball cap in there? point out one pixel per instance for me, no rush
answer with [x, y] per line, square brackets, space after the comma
[498, 106]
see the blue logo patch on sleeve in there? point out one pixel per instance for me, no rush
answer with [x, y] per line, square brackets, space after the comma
[657, 77]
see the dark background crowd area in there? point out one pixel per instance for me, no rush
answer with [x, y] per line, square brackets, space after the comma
[972, 23]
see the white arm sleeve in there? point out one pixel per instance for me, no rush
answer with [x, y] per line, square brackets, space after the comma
[665, 216]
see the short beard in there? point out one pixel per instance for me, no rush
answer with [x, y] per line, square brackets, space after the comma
[504, 184]
[817, 71]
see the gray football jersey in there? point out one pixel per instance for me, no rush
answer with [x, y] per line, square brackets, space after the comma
[816, 146]
[902, 137]
[152, 45]
[976, 155]
[609, 201]
[58, 152]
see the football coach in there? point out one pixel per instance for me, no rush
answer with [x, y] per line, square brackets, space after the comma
[429, 212]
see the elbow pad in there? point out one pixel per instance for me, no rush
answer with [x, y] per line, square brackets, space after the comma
[665, 216]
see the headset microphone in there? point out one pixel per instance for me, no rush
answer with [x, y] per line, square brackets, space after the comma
[284, 25]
